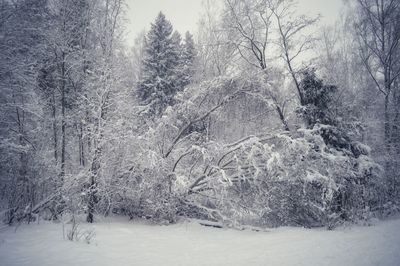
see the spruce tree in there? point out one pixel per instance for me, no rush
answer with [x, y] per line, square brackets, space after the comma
[317, 112]
[187, 58]
[178, 73]
[158, 85]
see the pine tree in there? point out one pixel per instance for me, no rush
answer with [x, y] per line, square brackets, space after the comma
[187, 58]
[317, 98]
[178, 73]
[318, 114]
[158, 85]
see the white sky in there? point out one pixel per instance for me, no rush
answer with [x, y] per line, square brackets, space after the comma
[184, 14]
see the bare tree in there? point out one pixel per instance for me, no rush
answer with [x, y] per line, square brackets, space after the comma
[109, 35]
[255, 23]
[378, 29]
[214, 53]
[250, 21]
[21, 52]
[294, 40]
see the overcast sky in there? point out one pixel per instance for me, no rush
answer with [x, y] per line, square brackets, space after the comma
[184, 14]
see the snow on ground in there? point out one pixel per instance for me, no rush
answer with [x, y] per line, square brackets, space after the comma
[120, 242]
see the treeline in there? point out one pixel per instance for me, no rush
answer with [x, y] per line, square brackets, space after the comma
[266, 119]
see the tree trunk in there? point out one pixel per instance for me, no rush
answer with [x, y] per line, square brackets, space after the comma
[63, 133]
[282, 117]
[55, 137]
[95, 167]
[81, 145]
[388, 146]
[93, 185]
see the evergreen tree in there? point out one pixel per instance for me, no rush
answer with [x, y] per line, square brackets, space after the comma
[318, 114]
[177, 44]
[158, 85]
[178, 48]
[317, 99]
[187, 58]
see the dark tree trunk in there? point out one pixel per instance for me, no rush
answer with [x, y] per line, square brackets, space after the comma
[93, 185]
[95, 167]
[63, 122]
[81, 145]
[55, 137]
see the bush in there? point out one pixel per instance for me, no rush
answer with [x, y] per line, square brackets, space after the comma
[75, 233]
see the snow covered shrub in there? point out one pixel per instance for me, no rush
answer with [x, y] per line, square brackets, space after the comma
[314, 176]
[359, 186]
[147, 197]
[144, 191]
[156, 185]
[286, 180]
[75, 233]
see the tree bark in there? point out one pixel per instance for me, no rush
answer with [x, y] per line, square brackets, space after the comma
[55, 137]
[63, 133]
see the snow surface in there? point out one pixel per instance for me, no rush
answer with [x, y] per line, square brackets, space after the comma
[119, 242]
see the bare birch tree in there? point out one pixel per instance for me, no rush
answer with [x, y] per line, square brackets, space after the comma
[378, 29]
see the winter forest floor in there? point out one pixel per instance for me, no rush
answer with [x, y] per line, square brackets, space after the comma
[119, 242]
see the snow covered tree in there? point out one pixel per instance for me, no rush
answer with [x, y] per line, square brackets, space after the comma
[269, 179]
[317, 99]
[214, 56]
[378, 33]
[23, 146]
[158, 83]
[318, 112]
[211, 131]
[188, 57]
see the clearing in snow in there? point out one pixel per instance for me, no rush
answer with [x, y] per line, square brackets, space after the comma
[119, 242]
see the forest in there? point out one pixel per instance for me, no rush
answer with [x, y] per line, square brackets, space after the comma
[263, 117]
